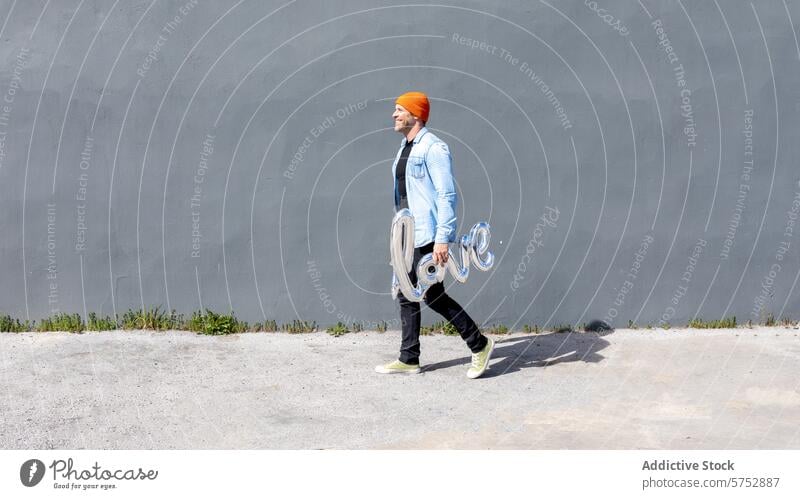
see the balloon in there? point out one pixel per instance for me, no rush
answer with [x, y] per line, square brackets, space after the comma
[474, 248]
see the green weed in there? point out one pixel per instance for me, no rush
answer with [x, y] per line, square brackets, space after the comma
[497, 329]
[441, 327]
[531, 329]
[10, 325]
[338, 329]
[563, 328]
[448, 329]
[95, 323]
[209, 322]
[724, 323]
[72, 323]
[298, 326]
[152, 318]
[269, 326]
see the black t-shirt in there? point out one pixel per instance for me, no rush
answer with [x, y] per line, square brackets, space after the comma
[400, 174]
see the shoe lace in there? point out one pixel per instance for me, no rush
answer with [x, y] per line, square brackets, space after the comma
[476, 360]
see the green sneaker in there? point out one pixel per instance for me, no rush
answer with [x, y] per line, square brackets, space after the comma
[480, 360]
[397, 367]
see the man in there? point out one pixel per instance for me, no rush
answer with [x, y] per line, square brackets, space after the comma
[424, 184]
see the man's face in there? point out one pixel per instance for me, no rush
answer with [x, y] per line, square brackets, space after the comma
[403, 120]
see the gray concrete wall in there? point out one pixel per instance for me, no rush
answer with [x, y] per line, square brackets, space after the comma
[147, 155]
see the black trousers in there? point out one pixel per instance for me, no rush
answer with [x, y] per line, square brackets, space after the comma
[442, 304]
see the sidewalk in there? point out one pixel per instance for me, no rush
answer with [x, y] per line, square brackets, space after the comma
[631, 389]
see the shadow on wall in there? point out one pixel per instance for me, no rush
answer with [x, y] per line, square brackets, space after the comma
[514, 354]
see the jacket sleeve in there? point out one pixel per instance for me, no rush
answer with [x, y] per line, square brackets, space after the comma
[440, 168]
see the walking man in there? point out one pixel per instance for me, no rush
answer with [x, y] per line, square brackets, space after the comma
[423, 183]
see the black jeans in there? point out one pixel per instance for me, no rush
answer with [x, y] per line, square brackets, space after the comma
[442, 304]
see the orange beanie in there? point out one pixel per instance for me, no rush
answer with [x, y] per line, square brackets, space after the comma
[416, 103]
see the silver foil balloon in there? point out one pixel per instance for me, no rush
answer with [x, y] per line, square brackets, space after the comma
[474, 247]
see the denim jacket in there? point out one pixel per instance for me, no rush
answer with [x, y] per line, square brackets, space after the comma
[430, 189]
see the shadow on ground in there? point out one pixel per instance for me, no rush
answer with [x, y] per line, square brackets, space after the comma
[538, 350]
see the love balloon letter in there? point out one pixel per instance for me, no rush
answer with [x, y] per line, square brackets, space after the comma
[474, 247]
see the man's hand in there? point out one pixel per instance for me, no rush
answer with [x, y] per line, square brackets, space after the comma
[440, 253]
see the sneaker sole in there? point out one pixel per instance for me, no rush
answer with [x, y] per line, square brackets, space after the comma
[381, 370]
[488, 358]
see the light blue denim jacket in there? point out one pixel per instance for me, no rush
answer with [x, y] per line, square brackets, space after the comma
[430, 189]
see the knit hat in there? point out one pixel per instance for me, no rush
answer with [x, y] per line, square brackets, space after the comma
[416, 103]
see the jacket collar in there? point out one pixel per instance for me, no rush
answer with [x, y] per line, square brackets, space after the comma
[418, 137]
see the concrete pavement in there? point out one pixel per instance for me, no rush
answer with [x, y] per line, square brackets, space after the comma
[630, 389]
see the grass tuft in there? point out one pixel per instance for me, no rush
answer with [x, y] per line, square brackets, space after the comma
[448, 329]
[209, 322]
[338, 329]
[72, 323]
[95, 323]
[152, 318]
[441, 327]
[724, 323]
[269, 326]
[497, 329]
[9, 324]
[535, 329]
[298, 326]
